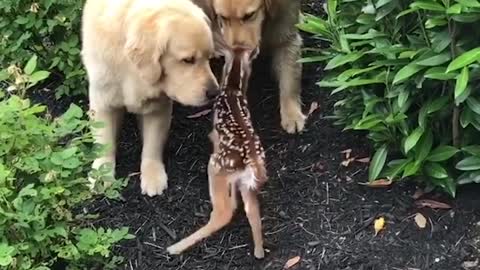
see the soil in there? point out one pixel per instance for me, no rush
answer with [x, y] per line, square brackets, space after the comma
[313, 206]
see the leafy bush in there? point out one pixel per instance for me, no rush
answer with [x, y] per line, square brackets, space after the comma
[44, 165]
[50, 29]
[407, 73]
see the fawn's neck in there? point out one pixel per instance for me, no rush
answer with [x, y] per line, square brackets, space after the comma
[234, 79]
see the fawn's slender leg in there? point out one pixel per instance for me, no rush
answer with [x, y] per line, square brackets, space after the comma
[252, 209]
[222, 212]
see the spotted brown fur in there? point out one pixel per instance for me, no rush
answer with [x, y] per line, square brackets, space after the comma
[236, 144]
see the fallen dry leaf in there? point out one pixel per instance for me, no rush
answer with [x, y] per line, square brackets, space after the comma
[313, 107]
[378, 183]
[347, 153]
[432, 204]
[347, 162]
[199, 114]
[418, 193]
[364, 160]
[291, 262]
[470, 264]
[379, 224]
[421, 221]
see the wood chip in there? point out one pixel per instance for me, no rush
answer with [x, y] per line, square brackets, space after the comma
[199, 114]
[291, 262]
[313, 107]
[364, 160]
[378, 183]
[432, 204]
[421, 221]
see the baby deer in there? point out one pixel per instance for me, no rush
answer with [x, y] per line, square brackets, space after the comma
[238, 159]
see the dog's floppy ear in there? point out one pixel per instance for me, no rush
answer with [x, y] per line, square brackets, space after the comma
[145, 45]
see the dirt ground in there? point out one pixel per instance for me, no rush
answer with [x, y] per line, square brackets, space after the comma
[312, 206]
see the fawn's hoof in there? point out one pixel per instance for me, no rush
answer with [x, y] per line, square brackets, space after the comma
[259, 253]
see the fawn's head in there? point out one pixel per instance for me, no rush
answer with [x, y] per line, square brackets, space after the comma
[237, 68]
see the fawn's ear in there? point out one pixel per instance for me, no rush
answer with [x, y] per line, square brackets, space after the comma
[227, 67]
[145, 45]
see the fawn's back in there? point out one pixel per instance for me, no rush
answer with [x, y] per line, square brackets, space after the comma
[237, 148]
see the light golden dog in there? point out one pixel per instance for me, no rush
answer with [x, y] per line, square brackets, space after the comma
[270, 25]
[139, 56]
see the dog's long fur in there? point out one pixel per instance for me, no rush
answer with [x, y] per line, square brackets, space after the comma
[272, 28]
[139, 56]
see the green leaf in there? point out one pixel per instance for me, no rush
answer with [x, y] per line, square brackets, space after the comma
[427, 5]
[406, 12]
[464, 59]
[402, 98]
[411, 169]
[332, 8]
[435, 170]
[412, 139]
[472, 150]
[469, 3]
[469, 164]
[440, 41]
[406, 72]
[385, 10]
[469, 177]
[435, 60]
[368, 122]
[38, 76]
[6, 253]
[462, 82]
[343, 59]
[437, 104]
[31, 65]
[463, 96]
[396, 167]
[455, 9]
[466, 18]
[434, 22]
[313, 59]
[378, 162]
[473, 104]
[438, 73]
[442, 153]
[424, 146]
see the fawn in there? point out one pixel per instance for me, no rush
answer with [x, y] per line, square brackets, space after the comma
[238, 159]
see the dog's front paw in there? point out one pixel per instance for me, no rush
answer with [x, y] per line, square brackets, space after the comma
[293, 120]
[97, 163]
[154, 179]
[175, 249]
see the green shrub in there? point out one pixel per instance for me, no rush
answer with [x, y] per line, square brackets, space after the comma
[44, 164]
[51, 30]
[407, 73]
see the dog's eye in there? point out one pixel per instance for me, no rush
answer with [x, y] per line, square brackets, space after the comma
[248, 16]
[225, 19]
[189, 60]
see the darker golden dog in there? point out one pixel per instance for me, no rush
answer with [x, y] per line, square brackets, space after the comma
[270, 25]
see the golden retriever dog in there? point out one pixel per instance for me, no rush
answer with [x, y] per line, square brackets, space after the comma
[140, 55]
[270, 25]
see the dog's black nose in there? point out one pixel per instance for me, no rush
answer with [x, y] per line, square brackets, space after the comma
[212, 93]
